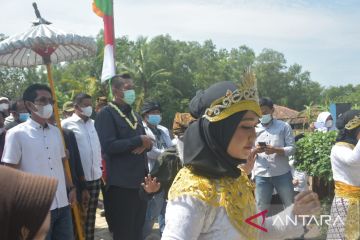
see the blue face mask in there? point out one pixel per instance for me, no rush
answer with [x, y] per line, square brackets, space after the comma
[23, 116]
[129, 96]
[265, 119]
[154, 119]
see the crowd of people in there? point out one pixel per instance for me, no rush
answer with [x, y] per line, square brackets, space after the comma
[221, 164]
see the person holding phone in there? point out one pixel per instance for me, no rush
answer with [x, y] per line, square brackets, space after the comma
[274, 144]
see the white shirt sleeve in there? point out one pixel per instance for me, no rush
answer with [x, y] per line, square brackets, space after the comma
[353, 157]
[62, 143]
[12, 149]
[289, 148]
[281, 226]
[184, 219]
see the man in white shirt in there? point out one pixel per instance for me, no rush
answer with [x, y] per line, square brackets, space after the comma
[90, 154]
[274, 144]
[36, 147]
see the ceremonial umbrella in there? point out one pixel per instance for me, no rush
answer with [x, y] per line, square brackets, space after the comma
[44, 44]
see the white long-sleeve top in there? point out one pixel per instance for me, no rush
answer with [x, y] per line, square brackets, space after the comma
[345, 163]
[155, 151]
[188, 218]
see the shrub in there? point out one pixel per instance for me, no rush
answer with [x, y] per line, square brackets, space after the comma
[313, 154]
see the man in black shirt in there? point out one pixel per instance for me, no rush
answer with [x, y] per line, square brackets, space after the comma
[124, 145]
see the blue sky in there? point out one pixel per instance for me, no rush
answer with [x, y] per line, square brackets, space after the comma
[321, 35]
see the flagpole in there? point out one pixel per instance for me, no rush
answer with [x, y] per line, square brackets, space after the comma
[113, 33]
[114, 49]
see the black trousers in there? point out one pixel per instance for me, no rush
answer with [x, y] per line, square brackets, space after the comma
[127, 213]
[104, 193]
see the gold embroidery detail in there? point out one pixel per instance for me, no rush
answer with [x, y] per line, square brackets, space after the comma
[234, 195]
[352, 222]
[349, 145]
[133, 126]
[353, 123]
[244, 98]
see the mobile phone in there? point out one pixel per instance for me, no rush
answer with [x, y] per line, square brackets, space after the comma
[262, 144]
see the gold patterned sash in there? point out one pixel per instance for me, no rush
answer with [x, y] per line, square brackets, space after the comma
[234, 195]
[352, 194]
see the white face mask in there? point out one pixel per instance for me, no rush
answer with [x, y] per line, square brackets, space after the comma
[329, 123]
[2, 130]
[265, 119]
[87, 111]
[44, 112]
[4, 106]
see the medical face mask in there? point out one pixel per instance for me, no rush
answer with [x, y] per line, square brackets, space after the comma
[44, 112]
[129, 96]
[4, 106]
[265, 119]
[87, 111]
[329, 123]
[154, 119]
[23, 116]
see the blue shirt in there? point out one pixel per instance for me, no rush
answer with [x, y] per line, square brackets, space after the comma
[276, 134]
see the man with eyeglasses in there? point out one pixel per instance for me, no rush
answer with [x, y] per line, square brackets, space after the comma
[36, 147]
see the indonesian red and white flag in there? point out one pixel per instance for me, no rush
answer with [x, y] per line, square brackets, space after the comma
[104, 9]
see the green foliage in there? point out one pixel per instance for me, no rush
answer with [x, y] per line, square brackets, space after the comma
[344, 94]
[171, 71]
[313, 154]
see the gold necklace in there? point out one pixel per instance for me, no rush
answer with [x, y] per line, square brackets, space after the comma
[133, 126]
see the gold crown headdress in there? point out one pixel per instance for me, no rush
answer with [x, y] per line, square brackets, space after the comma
[244, 98]
[353, 123]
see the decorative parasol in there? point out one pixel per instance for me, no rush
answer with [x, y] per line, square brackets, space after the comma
[44, 44]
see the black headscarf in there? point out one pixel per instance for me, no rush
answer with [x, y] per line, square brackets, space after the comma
[345, 135]
[205, 142]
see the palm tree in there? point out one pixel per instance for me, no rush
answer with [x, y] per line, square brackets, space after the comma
[143, 69]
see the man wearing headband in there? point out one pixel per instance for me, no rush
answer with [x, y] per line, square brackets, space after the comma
[211, 196]
[345, 165]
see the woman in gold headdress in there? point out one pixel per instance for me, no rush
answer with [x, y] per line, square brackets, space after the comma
[211, 197]
[345, 164]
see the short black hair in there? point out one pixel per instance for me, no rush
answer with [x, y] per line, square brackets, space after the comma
[119, 80]
[30, 92]
[266, 102]
[14, 105]
[80, 97]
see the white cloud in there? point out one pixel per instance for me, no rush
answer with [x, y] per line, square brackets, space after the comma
[313, 33]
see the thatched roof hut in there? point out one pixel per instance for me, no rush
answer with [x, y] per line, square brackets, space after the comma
[293, 117]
